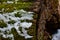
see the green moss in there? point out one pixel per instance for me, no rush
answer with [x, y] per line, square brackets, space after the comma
[18, 6]
[9, 8]
[32, 31]
[1, 38]
[22, 20]
[11, 22]
[2, 24]
[16, 36]
[26, 20]
[20, 28]
[18, 15]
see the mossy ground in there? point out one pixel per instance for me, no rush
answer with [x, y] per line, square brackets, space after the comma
[2, 24]
[18, 6]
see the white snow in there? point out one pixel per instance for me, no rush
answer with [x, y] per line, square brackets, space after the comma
[25, 25]
[10, 2]
[6, 17]
[56, 36]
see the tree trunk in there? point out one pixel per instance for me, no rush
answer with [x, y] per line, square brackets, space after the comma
[46, 10]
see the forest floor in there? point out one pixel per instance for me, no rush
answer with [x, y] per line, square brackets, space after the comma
[5, 8]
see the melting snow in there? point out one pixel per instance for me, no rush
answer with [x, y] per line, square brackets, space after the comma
[10, 2]
[26, 25]
[56, 36]
[6, 17]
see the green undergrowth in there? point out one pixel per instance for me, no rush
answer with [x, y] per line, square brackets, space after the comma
[18, 6]
[18, 15]
[11, 22]
[2, 24]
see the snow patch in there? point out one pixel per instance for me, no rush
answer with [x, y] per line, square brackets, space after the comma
[10, 2]
[6, 17]
[56, 36]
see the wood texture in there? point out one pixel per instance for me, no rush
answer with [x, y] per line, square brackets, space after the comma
[47, 10]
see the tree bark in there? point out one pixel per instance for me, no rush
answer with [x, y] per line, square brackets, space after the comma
[46, 9]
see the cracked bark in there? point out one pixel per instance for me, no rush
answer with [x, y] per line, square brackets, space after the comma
[46, 9]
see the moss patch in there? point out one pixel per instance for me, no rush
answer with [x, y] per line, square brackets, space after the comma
[18, 15]
[2, 24]
[11, 22]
